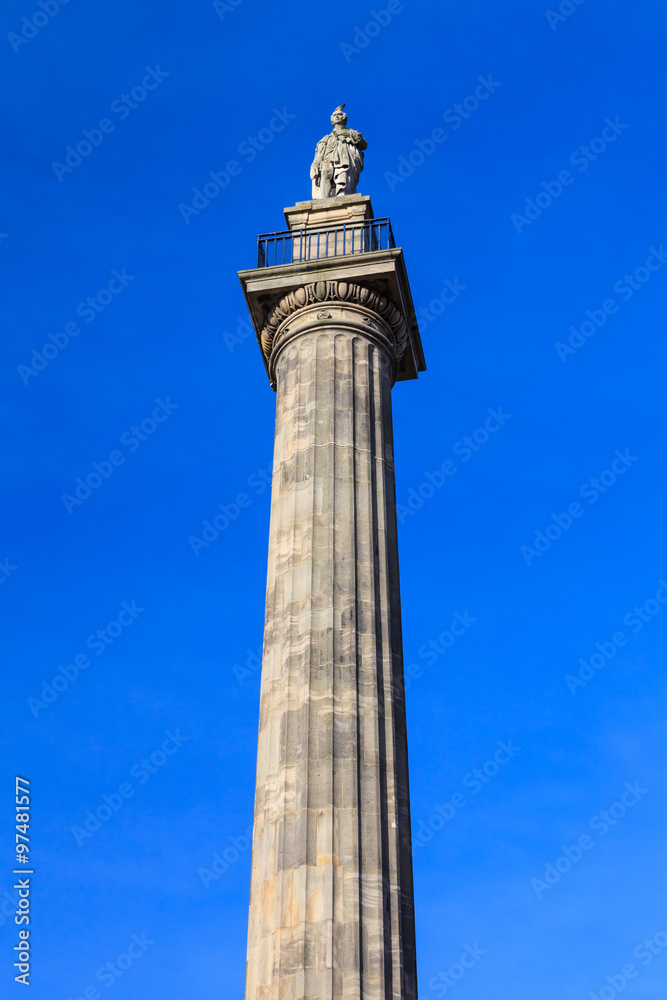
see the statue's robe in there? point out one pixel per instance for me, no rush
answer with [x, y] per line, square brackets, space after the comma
[337, 164]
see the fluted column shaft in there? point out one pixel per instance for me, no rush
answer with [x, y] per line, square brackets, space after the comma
[331, 911]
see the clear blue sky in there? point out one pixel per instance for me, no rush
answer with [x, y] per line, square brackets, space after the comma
[161, 349]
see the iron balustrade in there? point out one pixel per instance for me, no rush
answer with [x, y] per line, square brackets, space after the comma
[294, 245]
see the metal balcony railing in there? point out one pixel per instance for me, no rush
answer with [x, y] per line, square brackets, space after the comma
[296, 245]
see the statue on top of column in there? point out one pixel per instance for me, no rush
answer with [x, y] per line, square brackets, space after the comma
[339, 159]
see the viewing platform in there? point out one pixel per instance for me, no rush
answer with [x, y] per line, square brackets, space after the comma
[294, 245]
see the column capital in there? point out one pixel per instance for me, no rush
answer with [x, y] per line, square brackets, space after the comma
[365, 304]
[376, 279]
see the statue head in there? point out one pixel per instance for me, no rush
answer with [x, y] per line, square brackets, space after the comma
[339, 117]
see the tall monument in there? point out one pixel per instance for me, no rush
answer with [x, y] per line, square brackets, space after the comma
[331, 903]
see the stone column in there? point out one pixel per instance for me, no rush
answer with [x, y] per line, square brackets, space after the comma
[331, 909]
